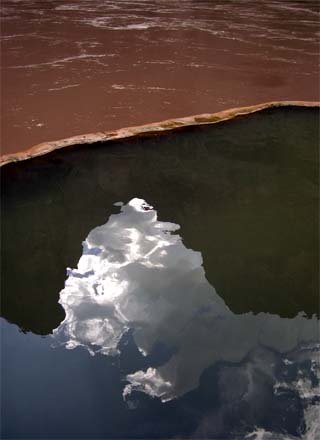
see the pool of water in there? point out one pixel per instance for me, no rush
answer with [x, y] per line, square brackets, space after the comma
[165, 287]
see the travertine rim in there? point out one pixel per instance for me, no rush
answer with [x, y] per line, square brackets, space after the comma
[148, 129]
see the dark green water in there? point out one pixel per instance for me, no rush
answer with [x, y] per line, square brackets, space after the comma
[245, 193]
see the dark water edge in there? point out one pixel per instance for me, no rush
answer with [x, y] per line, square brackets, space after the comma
[245, 193]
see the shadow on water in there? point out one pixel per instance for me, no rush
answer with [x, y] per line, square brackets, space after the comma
[243, 191]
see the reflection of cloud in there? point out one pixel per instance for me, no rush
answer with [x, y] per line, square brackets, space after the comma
[251, 393]
[134, 273]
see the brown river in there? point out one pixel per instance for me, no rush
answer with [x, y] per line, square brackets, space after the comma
[72, 67]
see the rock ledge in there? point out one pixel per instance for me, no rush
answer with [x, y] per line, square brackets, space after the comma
[149, 129]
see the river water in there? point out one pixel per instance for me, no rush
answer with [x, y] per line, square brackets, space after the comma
[70, 67]
[165, 287]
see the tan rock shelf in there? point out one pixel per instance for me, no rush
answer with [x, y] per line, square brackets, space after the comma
[149, 129]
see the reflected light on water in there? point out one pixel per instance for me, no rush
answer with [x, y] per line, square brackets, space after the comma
[135, 273]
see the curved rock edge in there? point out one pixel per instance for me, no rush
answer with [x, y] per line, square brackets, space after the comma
[151, 129]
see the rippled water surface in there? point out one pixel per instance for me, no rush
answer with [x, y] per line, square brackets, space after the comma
[165, 287]
[89, 65]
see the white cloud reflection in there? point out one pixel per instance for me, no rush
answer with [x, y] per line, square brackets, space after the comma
[135, 273]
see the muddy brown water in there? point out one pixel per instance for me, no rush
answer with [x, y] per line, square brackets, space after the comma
[71, 67]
